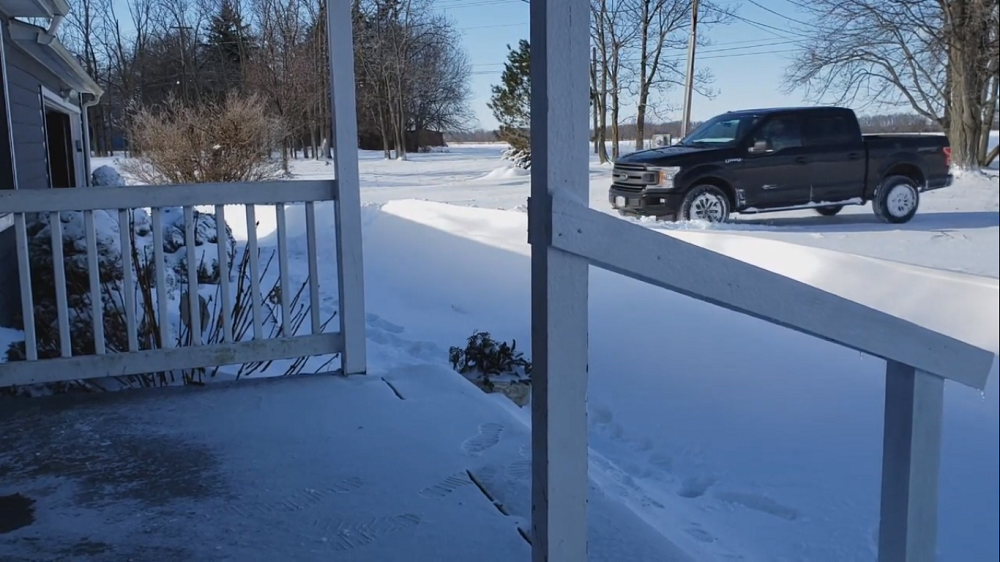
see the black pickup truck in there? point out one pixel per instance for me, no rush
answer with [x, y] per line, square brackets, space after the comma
[780, 159]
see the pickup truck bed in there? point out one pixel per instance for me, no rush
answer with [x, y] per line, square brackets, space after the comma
[781, 159]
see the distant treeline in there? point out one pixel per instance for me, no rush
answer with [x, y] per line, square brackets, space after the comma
[895, 123]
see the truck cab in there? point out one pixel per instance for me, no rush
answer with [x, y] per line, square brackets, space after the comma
[780, 159]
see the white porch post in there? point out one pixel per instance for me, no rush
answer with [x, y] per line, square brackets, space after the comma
[911, 464]
[350, 263]
[560, 42]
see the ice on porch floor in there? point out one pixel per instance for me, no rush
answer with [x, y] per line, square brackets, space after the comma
[306, 468]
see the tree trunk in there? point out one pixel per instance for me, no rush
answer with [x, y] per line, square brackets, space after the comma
[965, 116]
[603, 130]
[640, 111]
[640, 117]
[989, 115]
[991, 156]
[615, 112]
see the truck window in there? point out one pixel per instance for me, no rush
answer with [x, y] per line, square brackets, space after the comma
[826, 130]
[723, 130]
[781, 132]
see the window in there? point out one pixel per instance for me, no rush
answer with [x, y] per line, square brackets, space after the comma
[724, 130]
[830, 130]
[781, 132]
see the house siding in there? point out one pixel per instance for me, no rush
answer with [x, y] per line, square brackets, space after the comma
[25, 76]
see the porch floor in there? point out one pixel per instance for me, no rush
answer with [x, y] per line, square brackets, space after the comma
[410, 466]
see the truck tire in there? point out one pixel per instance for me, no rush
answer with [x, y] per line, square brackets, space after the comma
[896, 200]
[704, 202]
[829, 210]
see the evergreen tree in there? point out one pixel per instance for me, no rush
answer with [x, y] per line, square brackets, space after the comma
[228, 44]
[511, 103]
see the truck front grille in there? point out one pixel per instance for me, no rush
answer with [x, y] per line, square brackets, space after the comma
[633, 177]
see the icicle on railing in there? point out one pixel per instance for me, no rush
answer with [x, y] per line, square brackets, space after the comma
[222, 240]
[24, 275]
[312, 250]
[255, 300]
[94, 275]
[284, 287]
[193, 296]
[160, 278]
[59, 269]
[125, 229]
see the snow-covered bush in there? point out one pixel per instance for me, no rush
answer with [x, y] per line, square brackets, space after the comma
[493, 366]
[229, 141]
[106, 176]
[519, 158]
[148, 320]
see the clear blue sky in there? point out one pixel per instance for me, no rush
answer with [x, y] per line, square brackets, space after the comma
[747, 57]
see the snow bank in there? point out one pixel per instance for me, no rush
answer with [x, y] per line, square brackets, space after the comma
[943, 301]
[731, 436]
[506, 172]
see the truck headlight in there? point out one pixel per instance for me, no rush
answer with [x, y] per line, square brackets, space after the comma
[665, 175]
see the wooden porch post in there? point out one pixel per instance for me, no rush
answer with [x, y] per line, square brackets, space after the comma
[350, 263]
[911, 464]
[560, 90]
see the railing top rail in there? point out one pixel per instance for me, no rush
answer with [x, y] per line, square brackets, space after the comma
[667, 262]
[133, 197]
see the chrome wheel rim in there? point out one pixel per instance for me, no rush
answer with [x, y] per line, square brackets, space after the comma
[708, 207]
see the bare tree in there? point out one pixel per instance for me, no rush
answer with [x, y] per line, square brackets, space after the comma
[666, 24]
[599, 74]
[615, 37]
[934, 56]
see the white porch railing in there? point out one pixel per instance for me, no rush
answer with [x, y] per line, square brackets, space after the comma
[567, 237]
[18, 206]
[166, 353]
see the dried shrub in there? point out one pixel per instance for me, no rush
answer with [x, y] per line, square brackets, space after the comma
[228, 141]
[489, 358]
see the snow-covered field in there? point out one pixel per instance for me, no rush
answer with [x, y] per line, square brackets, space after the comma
[732, 438]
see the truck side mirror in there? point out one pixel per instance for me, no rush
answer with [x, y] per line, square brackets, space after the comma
[760, 147]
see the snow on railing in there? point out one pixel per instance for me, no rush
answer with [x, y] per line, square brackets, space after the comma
[143, 308]
[567, 237]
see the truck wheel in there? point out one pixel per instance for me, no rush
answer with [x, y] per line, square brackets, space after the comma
[896, 200]
[705, 202]
[829, 210]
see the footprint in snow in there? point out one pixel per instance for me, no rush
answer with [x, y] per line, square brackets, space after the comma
[487, 438]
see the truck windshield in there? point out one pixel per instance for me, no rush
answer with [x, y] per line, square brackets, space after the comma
[724, 130]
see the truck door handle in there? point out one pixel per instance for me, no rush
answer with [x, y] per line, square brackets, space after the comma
[801, 160]
[854, 156]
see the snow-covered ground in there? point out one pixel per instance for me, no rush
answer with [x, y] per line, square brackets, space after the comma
[732, 438]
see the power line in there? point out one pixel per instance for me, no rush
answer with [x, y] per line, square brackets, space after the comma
[779, 14]
[727, 56]
[472, 4]
[710, 50]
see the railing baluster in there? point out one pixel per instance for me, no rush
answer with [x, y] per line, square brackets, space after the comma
[911, 464]
[160, 278]
[94, 272]
[313, 252]
[222, 240]
[59, 270]
[24, 274]
[194, 300]
[284, 285]
[258, 321]
[128, 277]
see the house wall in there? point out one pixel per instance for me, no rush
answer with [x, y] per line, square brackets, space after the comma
[25, 76]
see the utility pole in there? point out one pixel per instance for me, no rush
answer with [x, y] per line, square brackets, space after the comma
[689, 85]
